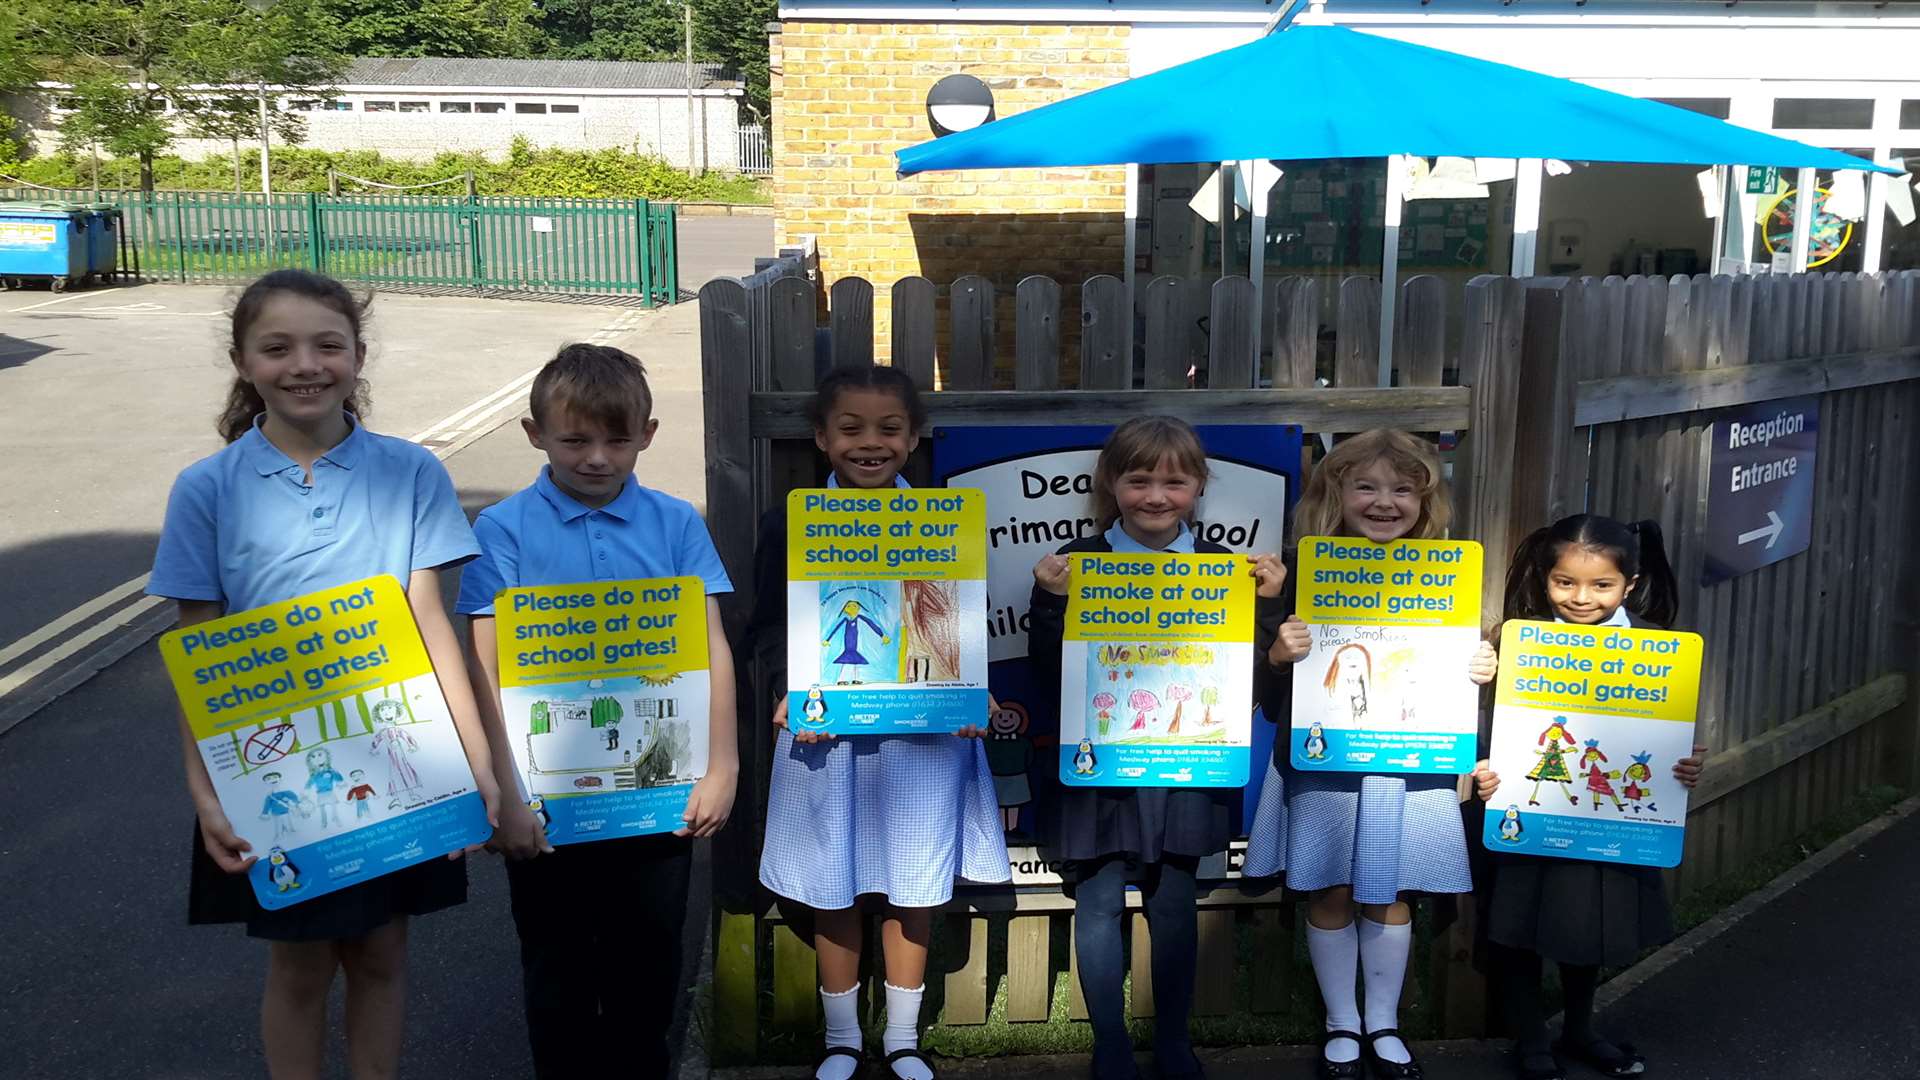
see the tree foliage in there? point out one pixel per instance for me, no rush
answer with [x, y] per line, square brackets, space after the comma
[125, 61]
[480, 28]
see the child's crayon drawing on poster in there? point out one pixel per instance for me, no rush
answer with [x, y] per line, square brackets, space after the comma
[878, 652]
[608, 716]
[1385, 687]
[1588, 723]
[328, 742]
[1156, 671]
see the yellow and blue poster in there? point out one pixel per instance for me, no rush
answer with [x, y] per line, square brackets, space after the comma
[1156, 671]
[604, 690]
[1588, 722]
[1385, 687]
[886, 610]
[327, 739]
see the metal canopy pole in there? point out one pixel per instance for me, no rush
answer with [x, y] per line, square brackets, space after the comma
[1802, 219]
[1526, 217]
[1390, 261]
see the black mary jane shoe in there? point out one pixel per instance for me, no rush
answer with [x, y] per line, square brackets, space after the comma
[1342, 1070]
[1625, 1062]
[859, 1060]
[1391, 1070]
[1538, 1066]
[909, 1052]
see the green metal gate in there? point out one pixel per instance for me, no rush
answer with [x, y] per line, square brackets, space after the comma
[611, 247]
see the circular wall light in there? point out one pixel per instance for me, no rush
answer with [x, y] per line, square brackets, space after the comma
[958, 103]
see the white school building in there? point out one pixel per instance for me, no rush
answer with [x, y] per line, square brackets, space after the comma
[414, 108]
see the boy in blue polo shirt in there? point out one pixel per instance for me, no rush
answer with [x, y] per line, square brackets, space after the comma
[597, 992]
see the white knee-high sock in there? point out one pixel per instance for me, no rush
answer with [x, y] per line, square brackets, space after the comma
[1383, 963]
[843, 1029]
[903, 1030]
[1336, 960]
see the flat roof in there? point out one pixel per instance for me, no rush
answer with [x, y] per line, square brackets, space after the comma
[556, 74]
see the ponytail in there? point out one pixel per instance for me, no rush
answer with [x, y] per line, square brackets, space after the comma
[1526, 596]
[1656, 596]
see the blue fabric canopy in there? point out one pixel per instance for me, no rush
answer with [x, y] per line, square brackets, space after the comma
[1329, 92]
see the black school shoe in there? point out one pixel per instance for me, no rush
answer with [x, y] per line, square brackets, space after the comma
[1625, 1061]
[1391, 1070]
[859, 1060]
[1342, 1070]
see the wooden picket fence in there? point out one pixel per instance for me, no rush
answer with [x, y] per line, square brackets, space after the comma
[1565, 394]
[1806, 697]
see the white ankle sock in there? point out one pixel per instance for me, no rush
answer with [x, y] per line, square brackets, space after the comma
[1336, 960]
[843, 1029]
[903, 1030]
[1383, 963]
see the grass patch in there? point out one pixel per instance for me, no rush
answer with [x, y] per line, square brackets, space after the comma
[1703, 904]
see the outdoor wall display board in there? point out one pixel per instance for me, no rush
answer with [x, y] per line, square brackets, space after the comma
[326, 737]
[1038, 481]
[604, 691]
[1156, 671]
[886, 610]
[1384, 688]
[1588, 722]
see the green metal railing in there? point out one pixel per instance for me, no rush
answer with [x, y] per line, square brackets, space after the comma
[617, 247]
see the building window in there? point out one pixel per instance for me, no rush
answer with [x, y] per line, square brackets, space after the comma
[1714, 107]
[339, 106]
[303, 105]
[489, 106]
[415, 106]
[456, 106]
[564, 108]
[1822, 113]
[530, 108]
[1910, 114]
[380, 106]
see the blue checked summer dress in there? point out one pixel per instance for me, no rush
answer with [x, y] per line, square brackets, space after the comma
[1382, 834]
[901, 816]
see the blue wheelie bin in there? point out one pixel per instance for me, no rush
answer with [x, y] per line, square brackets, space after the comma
[103, 241]
[43, 242]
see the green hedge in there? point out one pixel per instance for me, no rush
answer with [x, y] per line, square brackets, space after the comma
[594, 174]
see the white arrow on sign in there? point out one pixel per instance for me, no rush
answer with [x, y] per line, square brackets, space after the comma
[1771, 530]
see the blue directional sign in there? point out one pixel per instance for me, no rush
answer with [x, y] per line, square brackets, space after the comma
[1760, 507]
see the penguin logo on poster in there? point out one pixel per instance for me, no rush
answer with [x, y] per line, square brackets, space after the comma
[815, 710]
[1084, 763]
[1510, 829]
[538, 806]
[281, 871]
[1316, 744]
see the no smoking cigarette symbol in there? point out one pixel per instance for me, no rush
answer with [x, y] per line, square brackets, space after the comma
[268, 745]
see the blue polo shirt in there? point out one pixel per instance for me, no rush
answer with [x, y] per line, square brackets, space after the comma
[543, 536]
[245, 528]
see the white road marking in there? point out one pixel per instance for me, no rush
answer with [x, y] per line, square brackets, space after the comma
[60, 625]
[55, 300]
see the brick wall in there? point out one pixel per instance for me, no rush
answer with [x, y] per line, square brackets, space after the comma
[847, 95]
